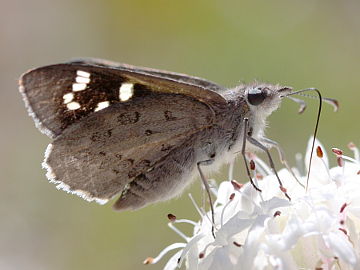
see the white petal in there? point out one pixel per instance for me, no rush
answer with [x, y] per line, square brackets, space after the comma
[342, 248]
[308, 151]
[224, 192]
[234, 226]
[218, 259]
[274, 203]
[253, 241]
[172, 264]
[191, 247]
[320, 166]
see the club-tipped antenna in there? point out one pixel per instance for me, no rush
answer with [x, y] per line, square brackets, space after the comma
[331, 101]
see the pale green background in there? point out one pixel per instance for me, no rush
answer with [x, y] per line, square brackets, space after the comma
[303, 43]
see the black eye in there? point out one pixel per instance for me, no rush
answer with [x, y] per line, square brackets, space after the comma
[256, 96]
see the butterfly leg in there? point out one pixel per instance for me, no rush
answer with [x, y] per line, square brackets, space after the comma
[266, 150]
[207, 189]
[246, 126]
[282, 157]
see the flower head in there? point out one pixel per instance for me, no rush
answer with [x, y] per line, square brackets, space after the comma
[318, 229]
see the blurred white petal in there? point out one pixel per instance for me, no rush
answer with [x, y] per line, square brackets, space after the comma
[318, 229]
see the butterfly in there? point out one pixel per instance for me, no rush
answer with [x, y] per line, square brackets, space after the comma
[141, 133]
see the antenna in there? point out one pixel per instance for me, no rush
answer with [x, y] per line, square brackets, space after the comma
[330, 101]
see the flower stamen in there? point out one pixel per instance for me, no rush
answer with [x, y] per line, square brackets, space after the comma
[178, 232]
[237, 244]
[355, 150]
[224, 208]
[237, 186]
[151, 260]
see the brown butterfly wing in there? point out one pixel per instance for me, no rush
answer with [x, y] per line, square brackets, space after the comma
[98, 156]
[178, 77]
[45, 90]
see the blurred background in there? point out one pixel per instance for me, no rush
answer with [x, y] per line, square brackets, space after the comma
[308, 43]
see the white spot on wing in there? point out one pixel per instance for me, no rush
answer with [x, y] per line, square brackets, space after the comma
[83, 74]
[68, 98]
[126, 91]
[73, 105]
[78, 86]
[82, 80]
[102, 105]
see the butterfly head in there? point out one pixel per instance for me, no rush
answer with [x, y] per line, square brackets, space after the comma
[265, 98]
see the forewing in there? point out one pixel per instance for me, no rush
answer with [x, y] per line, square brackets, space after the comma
[97, 157]
[179, 77]
[59, 95]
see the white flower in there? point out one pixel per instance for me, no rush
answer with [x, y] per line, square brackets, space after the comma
[318, 229]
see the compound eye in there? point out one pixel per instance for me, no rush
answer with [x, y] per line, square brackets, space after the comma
[256, 95]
